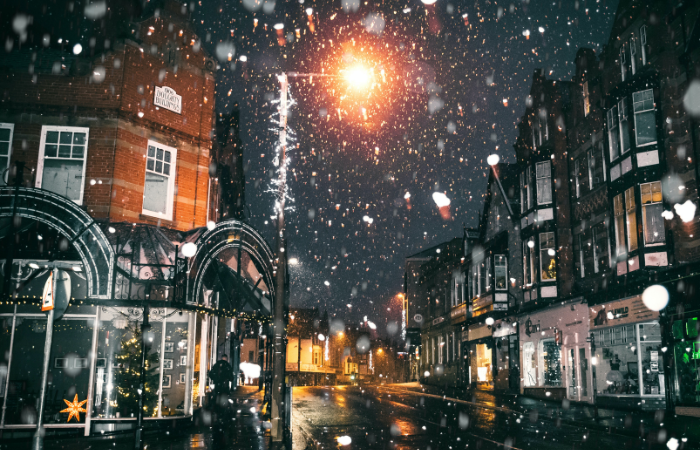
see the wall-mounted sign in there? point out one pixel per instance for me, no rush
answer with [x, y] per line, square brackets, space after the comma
[167, 98]
[438, 320]
[418, 318]
[459, 313]
[630, 310]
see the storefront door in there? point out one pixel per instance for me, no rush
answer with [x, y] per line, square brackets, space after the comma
[577, 374]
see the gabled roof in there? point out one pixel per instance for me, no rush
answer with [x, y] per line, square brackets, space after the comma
[506, 180]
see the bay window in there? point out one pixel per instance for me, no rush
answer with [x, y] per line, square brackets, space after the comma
[529, 262]
[643, 42]
[596, 169]
[548, 260]
[476, 280]
[159, 187]
[6, 132]
[619, 212]
[623, 62]
[526, 190]
[644, 117]
[544, 182]
[652, 207]
[62, 156]
[624, 126]
[613, 135]
[631, 212]
[601, 247]
[501, 272]
[577, 178]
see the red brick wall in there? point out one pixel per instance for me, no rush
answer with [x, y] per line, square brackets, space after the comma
[118, 136]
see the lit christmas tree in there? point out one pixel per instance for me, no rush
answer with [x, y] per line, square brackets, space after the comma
[128, 378]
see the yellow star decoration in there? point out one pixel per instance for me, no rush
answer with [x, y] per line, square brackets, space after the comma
[74, 408]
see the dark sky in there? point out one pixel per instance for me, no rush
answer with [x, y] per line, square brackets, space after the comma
[473, 72]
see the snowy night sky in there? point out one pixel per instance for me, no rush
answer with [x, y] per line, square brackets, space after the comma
[452, 80]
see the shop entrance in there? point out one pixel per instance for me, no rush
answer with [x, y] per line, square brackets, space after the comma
[577, 374]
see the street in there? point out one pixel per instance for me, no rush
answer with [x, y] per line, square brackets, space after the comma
[389, 417]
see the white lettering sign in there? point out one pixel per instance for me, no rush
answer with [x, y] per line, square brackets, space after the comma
[166, 98]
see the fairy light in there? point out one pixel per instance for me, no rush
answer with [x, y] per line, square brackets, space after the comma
[279, 121]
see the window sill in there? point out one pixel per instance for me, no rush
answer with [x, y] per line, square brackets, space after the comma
[157, 221]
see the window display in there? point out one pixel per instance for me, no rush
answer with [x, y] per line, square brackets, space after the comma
[686, 353]
[482, 365]
[629, 360]
[550, 363]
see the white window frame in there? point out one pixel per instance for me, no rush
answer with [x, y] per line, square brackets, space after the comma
[170, 202]
[644, 213]
[602, 160]
[631, 212]
[586, 100]
[577, 181]
[42, 146]
[635, 112]
[620, 221]
[505, 264]
[580, 255]
[547, 164]
[623, 61]
[546, 235]
[623, 116]
[526, 264]
[633, 54]
[5, 171]
[613, 122]
[643, 42]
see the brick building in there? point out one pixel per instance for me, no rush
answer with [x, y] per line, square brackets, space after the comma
[106, 137]
[126, 133]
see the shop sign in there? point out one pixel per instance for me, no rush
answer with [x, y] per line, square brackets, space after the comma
[459, 313]
[478, 332]
[630, 310]
[167, 98]
[531, 327]
[438, 320]
[500, 306]
[465, 335]
[482, 305]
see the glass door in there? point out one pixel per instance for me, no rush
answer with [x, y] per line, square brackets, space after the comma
[571, 374]
[583, 374]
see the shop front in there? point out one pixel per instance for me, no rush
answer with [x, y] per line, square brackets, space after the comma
[507, 358]
[555, 353]
[686, 367]
[628, 354]
[481, 357]
[179, 308]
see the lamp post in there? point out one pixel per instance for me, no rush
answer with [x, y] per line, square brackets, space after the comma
[279, 410]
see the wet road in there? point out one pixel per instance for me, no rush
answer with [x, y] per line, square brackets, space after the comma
[383, 417]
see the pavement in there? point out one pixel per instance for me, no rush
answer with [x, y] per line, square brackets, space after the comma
[241, 430]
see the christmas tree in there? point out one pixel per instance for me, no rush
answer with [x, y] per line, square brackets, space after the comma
[129, 377]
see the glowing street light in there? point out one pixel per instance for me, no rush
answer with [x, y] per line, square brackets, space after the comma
[492, 160]
[358, 77]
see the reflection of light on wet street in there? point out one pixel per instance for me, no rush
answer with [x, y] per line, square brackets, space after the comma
[197, 441]
[406, 428]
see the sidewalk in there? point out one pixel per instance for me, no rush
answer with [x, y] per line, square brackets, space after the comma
[243, 430]
[575, 413]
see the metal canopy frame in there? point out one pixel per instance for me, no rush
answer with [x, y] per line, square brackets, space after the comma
[71, 221]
